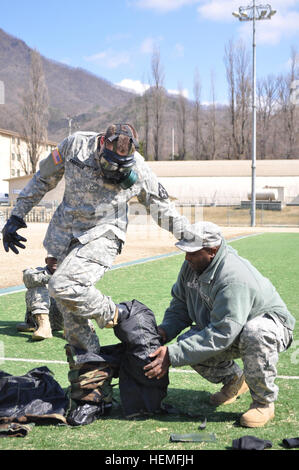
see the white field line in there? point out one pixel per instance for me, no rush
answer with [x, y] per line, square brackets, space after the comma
[181, 371]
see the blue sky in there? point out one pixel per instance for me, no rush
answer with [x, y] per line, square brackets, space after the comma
[114, 39]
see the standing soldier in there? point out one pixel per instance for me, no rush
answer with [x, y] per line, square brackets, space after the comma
[102, 173]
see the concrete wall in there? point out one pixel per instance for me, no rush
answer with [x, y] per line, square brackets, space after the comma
[226, 189]
[198, 184]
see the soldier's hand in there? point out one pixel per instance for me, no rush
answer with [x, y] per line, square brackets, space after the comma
[11, 239]
[160, 365]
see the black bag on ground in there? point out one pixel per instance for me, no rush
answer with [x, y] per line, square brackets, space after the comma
[32, 397]
[139, 337]
[138, 333]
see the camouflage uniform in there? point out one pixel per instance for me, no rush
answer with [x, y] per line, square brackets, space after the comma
[238, 314]
[37, 297]
[88, 228]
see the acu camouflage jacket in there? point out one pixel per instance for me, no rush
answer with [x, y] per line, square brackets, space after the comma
[90, 207]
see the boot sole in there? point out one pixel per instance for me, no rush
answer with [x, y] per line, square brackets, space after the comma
[255, 424]
[40, 338]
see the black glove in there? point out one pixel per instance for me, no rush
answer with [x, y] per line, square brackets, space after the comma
[251, 443]
[10, 237]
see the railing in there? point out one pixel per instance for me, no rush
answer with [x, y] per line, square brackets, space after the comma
[223, 215]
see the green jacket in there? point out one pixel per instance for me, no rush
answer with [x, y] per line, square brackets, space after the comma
[220, 301]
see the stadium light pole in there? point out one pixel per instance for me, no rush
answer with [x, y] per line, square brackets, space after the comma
[253, 13]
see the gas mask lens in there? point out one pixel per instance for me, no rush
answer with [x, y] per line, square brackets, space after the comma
[107, 165]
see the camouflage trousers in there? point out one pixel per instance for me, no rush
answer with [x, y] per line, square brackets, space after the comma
[72, 286]
[258, 345]
[39, 302]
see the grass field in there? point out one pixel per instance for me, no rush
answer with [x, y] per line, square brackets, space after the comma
[275, 255]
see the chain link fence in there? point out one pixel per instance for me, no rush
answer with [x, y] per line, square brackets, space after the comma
[224, 215]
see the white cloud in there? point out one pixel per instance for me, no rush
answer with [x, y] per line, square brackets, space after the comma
[109, 58]
[134, 85]
[148, 44]
[222, 9]
[283, 23]
[163, 6]
[184, 92]
[271, 32]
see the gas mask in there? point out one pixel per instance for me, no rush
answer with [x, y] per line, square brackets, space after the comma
[118, 169]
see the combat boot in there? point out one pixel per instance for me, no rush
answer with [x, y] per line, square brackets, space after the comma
[44, 328]
[258, 415]
[230, 392]
[28, 325]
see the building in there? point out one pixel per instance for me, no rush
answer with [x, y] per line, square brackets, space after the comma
[14, 156]
[208, 182]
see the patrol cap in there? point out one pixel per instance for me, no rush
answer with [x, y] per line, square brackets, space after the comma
[200, 235]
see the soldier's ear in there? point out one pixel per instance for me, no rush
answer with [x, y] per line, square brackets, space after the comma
[102, 140]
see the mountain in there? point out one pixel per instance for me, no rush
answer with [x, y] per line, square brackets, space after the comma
[72, 91]
[90, 101]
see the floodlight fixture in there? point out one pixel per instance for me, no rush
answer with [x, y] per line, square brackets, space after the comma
[272, 13]
[244, 15]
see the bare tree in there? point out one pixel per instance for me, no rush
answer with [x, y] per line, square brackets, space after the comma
[182, 123]
[287, 107]
[158, 99]
[238, 76]
[243, 93]
[197, 115]
[229, 60]
[146, 121]
[212, 129]
[266, 106]
[35, 112]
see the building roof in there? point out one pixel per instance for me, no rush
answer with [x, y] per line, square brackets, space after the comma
[224, 168]
[16, 134]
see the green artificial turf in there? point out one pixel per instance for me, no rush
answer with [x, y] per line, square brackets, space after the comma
[275, 255]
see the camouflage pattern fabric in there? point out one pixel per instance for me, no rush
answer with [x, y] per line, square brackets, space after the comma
[37, 297]
[89, 382]
[90, 206]
[72, 286]
[77, 233]
[258, 345]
